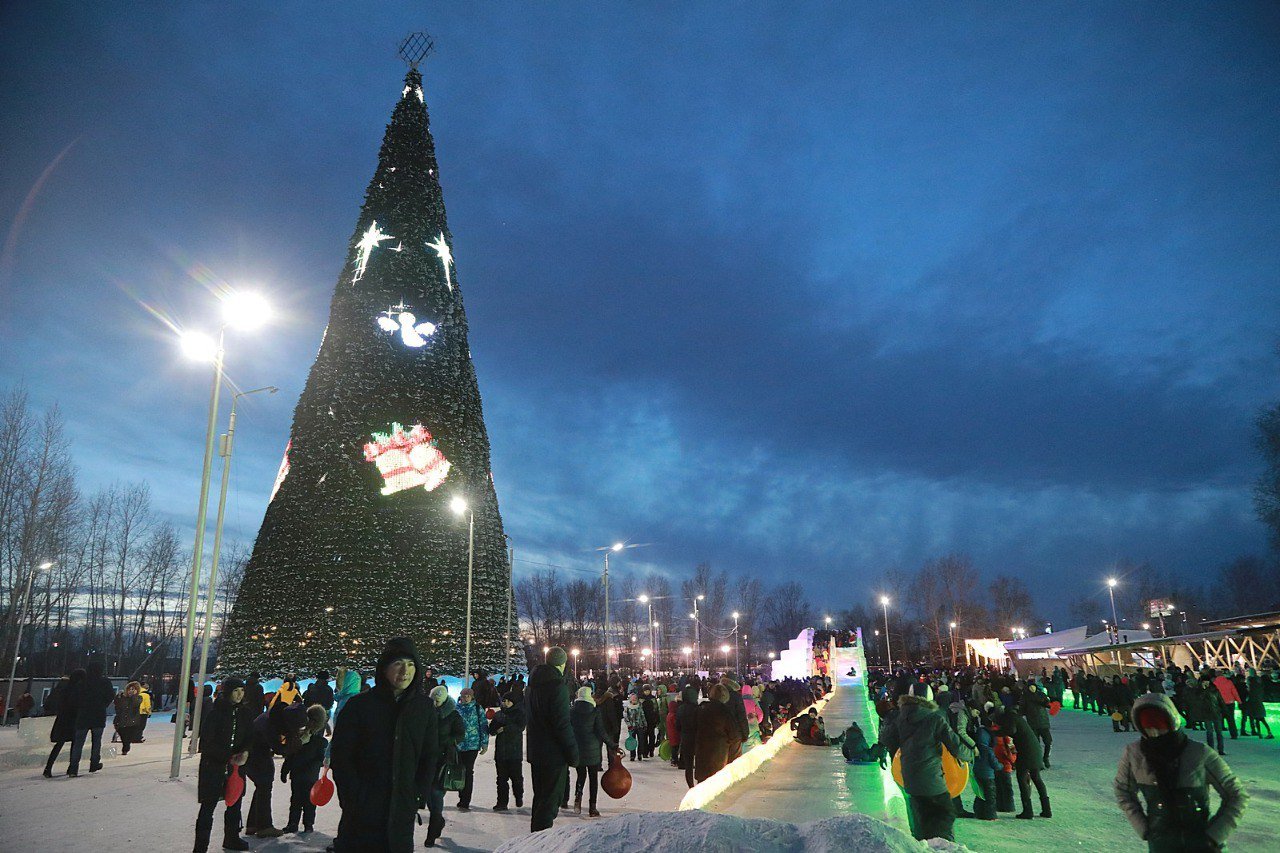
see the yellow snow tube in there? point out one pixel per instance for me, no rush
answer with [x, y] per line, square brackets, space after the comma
[956, 773]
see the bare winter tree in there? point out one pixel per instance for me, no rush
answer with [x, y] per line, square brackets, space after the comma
[786, 613]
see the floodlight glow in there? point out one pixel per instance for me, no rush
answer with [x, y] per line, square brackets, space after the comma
[617, 546]
[646, 652]
[884, 600]
[198, 346]
[735, 615]
[725, 649]
[1111, 582]
[245, 310]
[701, 596]
[46, 566]
[575, 653]
[953, 624]
[458, 505]
[687, 650]
[643, 599]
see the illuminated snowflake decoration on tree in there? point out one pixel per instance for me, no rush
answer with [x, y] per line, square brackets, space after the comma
[407, 460]
[365, 247]
[412, 333]
[446, 258]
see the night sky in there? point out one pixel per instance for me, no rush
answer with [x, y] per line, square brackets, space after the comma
[807, 292]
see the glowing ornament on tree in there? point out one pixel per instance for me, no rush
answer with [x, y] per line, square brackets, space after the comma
[412, 333]
[284, 470]
[446, 258]
[365, 247]
[407, 460]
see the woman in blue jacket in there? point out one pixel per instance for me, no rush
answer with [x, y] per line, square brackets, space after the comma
[475, 742]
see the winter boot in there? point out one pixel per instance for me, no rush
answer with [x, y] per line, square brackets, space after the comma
[234, 842]
[577, 805]
[1025, 815]
[202, 841]
[435, 826]
[594, 812]
[1045, 811]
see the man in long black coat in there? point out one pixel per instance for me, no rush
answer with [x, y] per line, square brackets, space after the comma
[383, 755]
[224, 740]
[551, 745]
[93, 695]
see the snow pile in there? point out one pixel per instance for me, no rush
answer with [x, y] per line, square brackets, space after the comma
[678, 832]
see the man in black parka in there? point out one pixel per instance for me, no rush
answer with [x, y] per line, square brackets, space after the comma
[551, 745]
[383, 755]
[224, 740]
[92, 697]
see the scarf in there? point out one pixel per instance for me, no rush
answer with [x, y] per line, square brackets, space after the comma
[1164, 754]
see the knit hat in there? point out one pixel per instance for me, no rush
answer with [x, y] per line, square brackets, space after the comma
[557, 656]
[467, 692]
[584, 694]
[399, 648]
[516, 694]
[230, 685]
[439, 694]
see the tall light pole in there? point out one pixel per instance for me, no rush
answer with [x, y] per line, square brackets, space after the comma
[697, 638]
[656, 635]
[644, 599]
[1111, 588]
[724, 655]
[608, 647]
[953, 643]
[459, 506]
[511, 593]
[17, 646]
[246, 311]
[737, 656]
[575, 654]
[225, 452]
[688, 656]
[888, 649]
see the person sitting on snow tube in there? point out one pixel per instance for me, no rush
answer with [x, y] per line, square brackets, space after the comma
[856, 750]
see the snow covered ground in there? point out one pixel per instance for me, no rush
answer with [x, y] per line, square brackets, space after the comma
[132, 803]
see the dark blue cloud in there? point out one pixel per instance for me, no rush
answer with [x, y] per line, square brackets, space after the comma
[831, 288]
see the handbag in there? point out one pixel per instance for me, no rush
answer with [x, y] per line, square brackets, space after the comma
[452, 777]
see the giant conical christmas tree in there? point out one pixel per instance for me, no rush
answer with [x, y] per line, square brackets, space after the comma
[359, 542]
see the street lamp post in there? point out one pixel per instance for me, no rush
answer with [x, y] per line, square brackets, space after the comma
[575, 654]
[644, 599]
[245, 311]
[688, 657]
[1111, 588]
[17, 646]
[724, 655]
[737, 656]
[656, 637]
[697, 639]
[460, 506]
[225, 452]
[953, 644]
[888, 649]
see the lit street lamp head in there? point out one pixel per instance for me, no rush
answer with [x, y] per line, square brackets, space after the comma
[884, 600]
[458, 505]
[617, 546]
[245, 310]
[735, 614]
[1111, 582]
[643, 599]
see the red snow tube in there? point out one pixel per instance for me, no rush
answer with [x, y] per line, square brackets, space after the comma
[1054, 708]
[322, 790]
[235, 787]
[616, 781]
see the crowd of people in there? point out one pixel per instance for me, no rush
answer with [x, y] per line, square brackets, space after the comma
[1001, 725]
[400, 744]
[403, 744]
